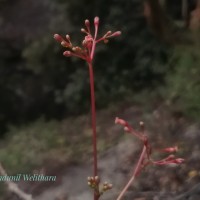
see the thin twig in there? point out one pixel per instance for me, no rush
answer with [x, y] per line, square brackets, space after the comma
[13, 187]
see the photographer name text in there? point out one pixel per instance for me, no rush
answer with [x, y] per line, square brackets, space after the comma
[27, 177]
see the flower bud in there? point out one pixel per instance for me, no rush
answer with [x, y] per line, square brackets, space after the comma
[65, 44]
[107, 34]
[67, 53]
[89, 183]
[170, 149]
[83, 30]
[106, 186]
[96, 21]
[110, 186]
[141, 123]
[97, 179]
[127, 129]
[117, 33]
[178, 160]
[76, 49]
[68, 37]
[87, 22]
[58, 38]
[120, 121]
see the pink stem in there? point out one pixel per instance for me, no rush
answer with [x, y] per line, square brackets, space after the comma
[137, 169]
[93, 110]
[94, 43]
[94, 135]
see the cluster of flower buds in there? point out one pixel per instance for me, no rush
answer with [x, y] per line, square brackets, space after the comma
[171, 159]
[129, 129]
[106, 186]
[86, 52]
[93, 182]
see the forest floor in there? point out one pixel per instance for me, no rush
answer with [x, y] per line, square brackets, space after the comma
[119, 153]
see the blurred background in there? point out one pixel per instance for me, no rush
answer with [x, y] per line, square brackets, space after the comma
[151, 71]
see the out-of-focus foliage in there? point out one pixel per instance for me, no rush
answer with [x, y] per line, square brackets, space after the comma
[53, 143]
[183, 81]
[36, 80]
[26, 143]
[3, 1]
[123, 65]
[30, 146]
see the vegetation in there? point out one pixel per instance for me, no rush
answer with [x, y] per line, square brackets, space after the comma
[37, 81]
[183, 84]
[39, 88]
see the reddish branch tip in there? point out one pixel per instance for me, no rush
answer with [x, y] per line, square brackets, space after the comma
[96, 21]
[141, 123]
[120, 121]
[67, 53]
[178, 160]
[68, 37]
[83, 30]
[127, 129]
[170, 149]
[58, 38]
[87, 22]
[117, 33]
[169, 160]
[64, 44]
[107, 34]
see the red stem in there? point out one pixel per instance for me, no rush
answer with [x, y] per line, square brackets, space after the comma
[94, 43]
[137, 169]
[94, 134]
[93, 110]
